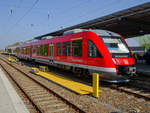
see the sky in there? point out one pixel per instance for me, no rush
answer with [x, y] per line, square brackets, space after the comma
[22, 20]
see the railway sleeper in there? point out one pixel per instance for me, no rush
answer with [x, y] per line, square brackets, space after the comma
[39, 96]
[56, 105]
[37, 91]
[57, 110]
[44, 103]
[44, 99]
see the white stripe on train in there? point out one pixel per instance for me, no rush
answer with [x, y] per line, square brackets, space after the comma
[103, 69]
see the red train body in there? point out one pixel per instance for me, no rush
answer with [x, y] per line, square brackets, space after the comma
[87, 51]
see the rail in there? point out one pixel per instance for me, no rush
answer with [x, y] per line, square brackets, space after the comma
[51, 91]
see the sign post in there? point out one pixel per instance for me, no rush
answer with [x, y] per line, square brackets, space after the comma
[96, 85]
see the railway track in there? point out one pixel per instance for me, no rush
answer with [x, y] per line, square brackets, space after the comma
[137, 91]
[143, 82]
[134, 89]
[42, 98]
[127, 89]
[140, 84]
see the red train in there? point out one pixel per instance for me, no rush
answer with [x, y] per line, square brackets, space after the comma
[84, 52]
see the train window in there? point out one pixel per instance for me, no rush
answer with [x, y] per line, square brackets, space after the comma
[37, 51]
[46, 50]
[28, 50]
[41, 50]
[66, 48]
[33, 50]
[21, 50]
[77, 48]
[92, 50]
[58, 49]
[116, 46]
[17, 50]
[25, 51]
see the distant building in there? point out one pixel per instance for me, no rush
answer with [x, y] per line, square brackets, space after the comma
[132, 42]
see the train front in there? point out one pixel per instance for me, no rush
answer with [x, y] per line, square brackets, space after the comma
[121, 56]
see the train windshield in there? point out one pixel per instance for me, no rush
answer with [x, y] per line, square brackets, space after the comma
[116, 46]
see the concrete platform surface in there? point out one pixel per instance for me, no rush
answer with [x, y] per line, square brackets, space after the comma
[143, 69]
[10, 102]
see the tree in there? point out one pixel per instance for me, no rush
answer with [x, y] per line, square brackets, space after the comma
[144, 41]
[15, 44]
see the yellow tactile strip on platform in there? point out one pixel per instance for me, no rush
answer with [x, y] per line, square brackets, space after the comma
[77, 87]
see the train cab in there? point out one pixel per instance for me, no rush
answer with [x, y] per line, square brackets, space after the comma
[120, 55]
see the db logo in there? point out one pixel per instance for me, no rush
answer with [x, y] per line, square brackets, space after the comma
[126, 61]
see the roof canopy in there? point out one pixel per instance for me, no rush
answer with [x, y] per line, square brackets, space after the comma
[131, 22]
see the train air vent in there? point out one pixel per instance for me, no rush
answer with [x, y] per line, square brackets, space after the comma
[73, 31]
[47, 37]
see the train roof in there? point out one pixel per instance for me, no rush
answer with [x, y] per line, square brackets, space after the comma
[44, 40]
[100, 32]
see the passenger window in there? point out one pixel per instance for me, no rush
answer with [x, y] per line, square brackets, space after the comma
[24, 51]
[17, 50]
[21, 50]
[66, 48]
[92, 50]
[28, 50]
[33, 50]
[58, 49]
[46, 50]
[41, 50]
[77, 48]
[37, 51]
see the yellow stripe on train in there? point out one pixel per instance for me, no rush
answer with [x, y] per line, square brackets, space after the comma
[77, 38]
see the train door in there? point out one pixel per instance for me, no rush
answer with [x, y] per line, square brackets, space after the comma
[51, 52]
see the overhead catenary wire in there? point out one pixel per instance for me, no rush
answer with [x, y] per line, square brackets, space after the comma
[26, 13]
[104, 7]
[79, 4]
[63, 25]
[50, 13]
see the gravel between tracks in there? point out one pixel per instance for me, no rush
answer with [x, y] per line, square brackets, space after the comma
[44, 99]
[109, 100]
[88, 104]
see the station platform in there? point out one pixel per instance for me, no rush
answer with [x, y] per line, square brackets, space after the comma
[10, 102]
[143, 69]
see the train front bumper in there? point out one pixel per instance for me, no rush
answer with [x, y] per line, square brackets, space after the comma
[114, 78]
